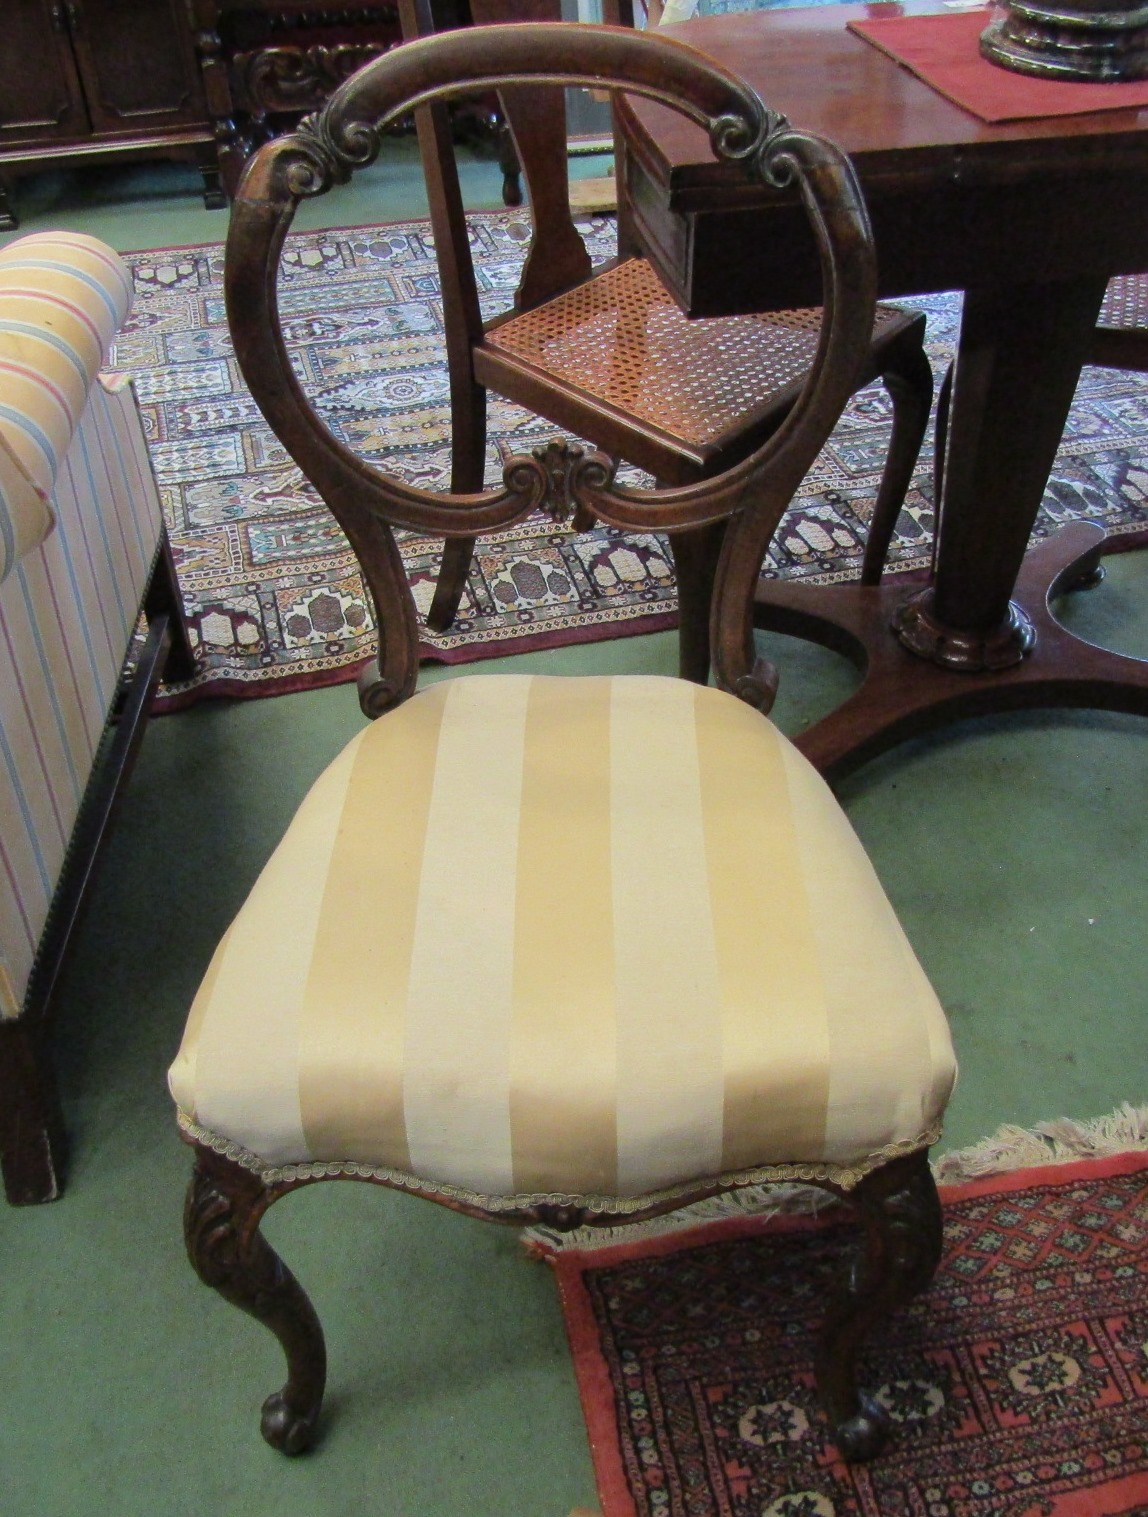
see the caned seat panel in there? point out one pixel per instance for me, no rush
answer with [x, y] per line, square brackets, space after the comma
[619, 338]
[590, 937]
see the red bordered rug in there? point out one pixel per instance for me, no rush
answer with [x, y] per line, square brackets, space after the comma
[1018, 1386]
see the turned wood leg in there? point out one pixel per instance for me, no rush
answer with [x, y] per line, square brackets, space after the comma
[467, 471]
[214, 194]
[901, 1213]
[1020, 353]
[909, 381]
[225, 1204]
[456, 556]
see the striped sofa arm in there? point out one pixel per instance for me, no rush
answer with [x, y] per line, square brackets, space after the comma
[62, 298]
[84, 548]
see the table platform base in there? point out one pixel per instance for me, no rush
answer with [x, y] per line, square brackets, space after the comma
[902, 695]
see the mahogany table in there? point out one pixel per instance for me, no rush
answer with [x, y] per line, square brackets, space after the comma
[1030, 219]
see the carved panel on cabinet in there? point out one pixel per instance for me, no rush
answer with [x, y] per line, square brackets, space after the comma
[267, 62]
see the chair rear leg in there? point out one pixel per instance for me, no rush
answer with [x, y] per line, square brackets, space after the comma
[452, 577]
[901, 1213]
[225, 1205]
[909, 380]
[696, 552]
[940, 443]
[467, 474]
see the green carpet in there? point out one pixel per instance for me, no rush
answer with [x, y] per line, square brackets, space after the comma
[1013, 849]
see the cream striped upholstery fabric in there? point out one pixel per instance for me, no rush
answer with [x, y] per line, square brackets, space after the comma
[62, 298]
[589, 936]
[67, 607]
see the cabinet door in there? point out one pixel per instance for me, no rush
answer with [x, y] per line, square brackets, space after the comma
[137, 64]
[40, 96]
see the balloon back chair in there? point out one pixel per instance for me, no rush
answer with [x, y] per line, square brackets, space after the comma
[605, 353]
[683, 976]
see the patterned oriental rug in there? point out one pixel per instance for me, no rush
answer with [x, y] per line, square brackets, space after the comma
[1018, 1387]
[273, 594]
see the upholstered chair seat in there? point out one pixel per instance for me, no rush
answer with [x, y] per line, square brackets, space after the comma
[594, 938]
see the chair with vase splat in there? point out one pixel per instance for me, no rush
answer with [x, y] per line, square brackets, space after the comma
[606, 355]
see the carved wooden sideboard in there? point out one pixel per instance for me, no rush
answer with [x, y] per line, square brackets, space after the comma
[208, 80]
[267, 62]
[84, 80]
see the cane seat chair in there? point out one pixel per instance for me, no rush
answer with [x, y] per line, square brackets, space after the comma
[682, 975]
[606, 354]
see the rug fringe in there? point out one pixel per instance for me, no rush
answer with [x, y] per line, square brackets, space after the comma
[1010, 1147]
[1054, 1142]
[752, 1201]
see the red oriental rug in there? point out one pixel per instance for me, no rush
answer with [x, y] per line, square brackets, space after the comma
[1018, 1385]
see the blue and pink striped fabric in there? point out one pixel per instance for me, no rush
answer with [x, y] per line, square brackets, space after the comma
[69, 603]
[62, 298]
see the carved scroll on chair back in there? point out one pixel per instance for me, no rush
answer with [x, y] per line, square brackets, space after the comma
[549, 358]
[659, 997]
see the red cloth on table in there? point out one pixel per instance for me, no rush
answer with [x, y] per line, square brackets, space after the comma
[943, 51]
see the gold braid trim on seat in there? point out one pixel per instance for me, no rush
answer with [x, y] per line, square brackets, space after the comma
[841, 1177]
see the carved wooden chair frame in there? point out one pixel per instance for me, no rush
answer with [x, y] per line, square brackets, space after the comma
[230, 1190]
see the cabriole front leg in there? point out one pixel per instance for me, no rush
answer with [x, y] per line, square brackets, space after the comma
[225, 1205]
[901, 1214]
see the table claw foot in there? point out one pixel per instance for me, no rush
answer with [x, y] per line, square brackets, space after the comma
[1090, 579]
[1085, 572]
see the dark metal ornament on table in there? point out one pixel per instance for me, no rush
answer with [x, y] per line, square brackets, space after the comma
[1102, 41]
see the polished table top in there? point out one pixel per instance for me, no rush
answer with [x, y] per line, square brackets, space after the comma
[951, 197]
[1030, 219]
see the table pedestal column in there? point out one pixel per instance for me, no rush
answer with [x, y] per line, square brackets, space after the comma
[1017, 368]
[979, 636]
